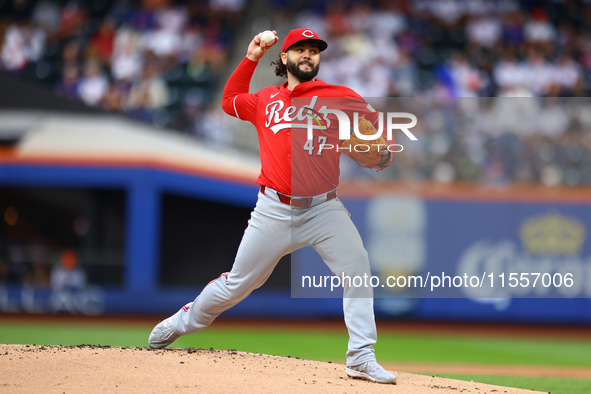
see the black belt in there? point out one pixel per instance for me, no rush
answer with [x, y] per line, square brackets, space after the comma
[302, 202]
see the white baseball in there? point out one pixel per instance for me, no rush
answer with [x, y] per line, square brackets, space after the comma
[268, 36]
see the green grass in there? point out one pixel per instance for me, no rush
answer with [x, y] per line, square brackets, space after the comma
[321, 345]
[53, 334]
[400, 348]
[553, 385]
[479, 350]
[331, 346]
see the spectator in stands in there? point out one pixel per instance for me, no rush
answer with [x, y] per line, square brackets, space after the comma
[539, 32]
[143, 17]
[191, 42]
[46, 15]
[233, 6]
[126, 59]
[513, 36]
[148, 93]
[68, 85]
[213, 52]
[116, 96]
[448, 12]
[568, 76]
[403, 76]
[72, 52]
[388, 20]
[212, 126]
[190, 118]
[67, 274]
[467, 80]
[94, 84]
[165, 39]
[484, 31]
[102, 42]
[508, 73]
[23, 44]
[538, 72]
[73, 16]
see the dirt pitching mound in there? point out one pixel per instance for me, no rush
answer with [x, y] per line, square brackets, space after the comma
[89, 369]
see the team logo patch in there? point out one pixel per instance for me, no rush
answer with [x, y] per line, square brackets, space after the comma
[308, 33]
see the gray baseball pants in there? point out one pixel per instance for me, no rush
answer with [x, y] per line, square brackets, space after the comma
[274, 230]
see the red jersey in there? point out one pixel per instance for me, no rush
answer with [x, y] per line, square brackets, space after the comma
[290, 163]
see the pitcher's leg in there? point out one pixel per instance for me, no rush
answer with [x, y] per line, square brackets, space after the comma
[256, 258]
[340, 246]
[266, 239]
[360, 321]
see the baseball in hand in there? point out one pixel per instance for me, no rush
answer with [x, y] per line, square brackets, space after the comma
[268, 37]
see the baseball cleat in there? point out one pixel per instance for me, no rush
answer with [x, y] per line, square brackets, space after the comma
[371, 370]
[162, 335]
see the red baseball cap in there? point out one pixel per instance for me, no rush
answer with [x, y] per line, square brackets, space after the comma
[298, 35]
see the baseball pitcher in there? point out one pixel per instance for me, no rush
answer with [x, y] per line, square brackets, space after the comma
[297, 202]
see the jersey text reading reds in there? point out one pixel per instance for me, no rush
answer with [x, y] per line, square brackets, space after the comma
[276, 117]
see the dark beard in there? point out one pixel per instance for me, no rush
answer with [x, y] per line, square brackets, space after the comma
[303, 76]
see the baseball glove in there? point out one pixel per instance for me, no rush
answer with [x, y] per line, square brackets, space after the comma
[368, 154]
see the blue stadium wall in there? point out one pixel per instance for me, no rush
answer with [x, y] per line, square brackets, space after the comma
[452, 228]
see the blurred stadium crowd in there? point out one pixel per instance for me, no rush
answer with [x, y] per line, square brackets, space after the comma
[153, 60]
[162, 61]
